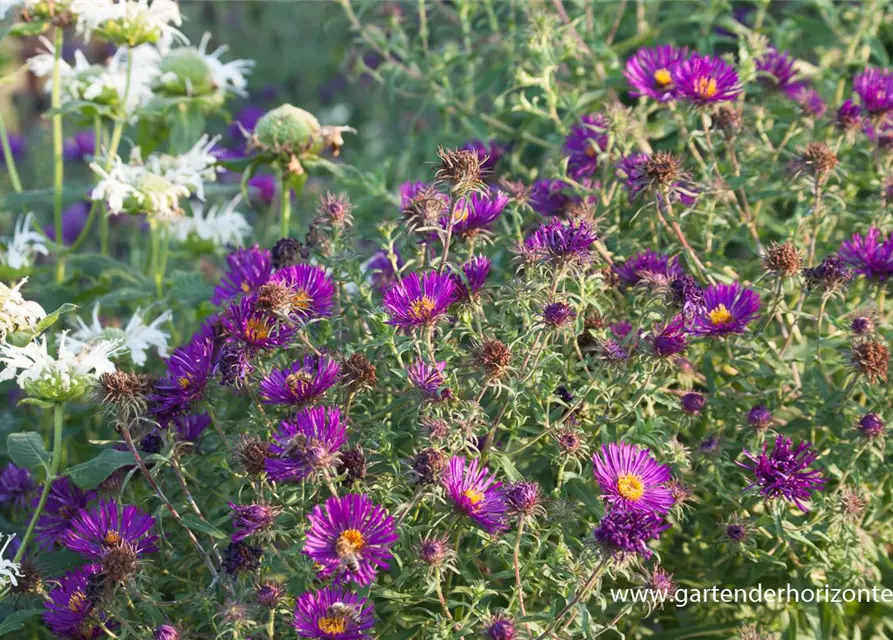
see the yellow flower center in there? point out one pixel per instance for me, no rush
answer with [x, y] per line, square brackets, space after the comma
[332, 624]
[350, 541]
[474, 497]
[246, 287]
[720, 315]
[630, 487]
[183, 381]
[663, 78]
[301, 299]
[257, 329]
[421, 309]
[76, 600]
[705, 87]
[460, 214]
[591, 151]
[111, 538]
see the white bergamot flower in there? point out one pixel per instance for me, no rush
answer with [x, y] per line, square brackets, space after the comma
[16, 313]
[193, 72]
[10, 571]
[136, 338]
[18, 251]
[130, 22]
[222, 225]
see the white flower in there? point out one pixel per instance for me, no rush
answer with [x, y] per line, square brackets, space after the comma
[16, 313]
[155, 186]
[58, 379]
[137, 337]
[18, 251]
[31, 6]
[130, 21]
[9, 571]
[223, 226]
[181, 71]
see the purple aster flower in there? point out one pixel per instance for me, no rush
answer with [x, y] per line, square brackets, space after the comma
[253, 328]
[69, 612]
[409, 191]
[524, 498]
[308, 290]
[188, 371]
[649, 267]
[476, 213]
[583, 145]
[778, 71]
[382, 272]
[80, 146]
[190, 428]
[871, 426]
[759, 417]
[73, 220]
[693, 403]
[869, 255]
[686, 296]
[333, 614]
[669, 339]
[862, 325]
[350, 537]
[264, 187]
[489, 153]
[550, 197]
[429, 379]
[16, 486]
[875, 88]
[631, 478]
[166, 632]
[302, 383]
[475, 273]
[248, 270]
[558, 314]
[245, 121]
[561, 243]
[96, 531]
[628, 531]
[830, 274]
[251, 519]
[308, 442]
[810, 101]
[270, 595]
[63, 503]
[703, 80]
[849, 116]
[650, 72]
[501, 628]
[433, 551]
[728, 309]
[785, 472]
[476, 494]
[419, 300]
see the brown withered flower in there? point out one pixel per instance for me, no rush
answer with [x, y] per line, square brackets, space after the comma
[728, 119]
[870, 358]
[358, 373]
[494, 357]
[425, 209]
[783, 260]
[460, 168]
[817, 160]
[251, 454]
[662, 169]
[125, 395]
[428, 465]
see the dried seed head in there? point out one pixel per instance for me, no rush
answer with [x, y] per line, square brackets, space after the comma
[428, 465]
[870, 358]
[852, 504]
[817, 160]
[358, 373]
[581, 211]
[425, 209]
[752, 632]
[120, 562]
[241, 557]
[662, 169]
[287, 252]
[519, 191]
[352, 465]
[493, 357]
[125, 395]
[251, 454]
[728, 119]
[274, 298]
[461, 168]
[29, 583]
[862, 325]
[335, 210]
[436, 428]
[592, 322]
[783, 260]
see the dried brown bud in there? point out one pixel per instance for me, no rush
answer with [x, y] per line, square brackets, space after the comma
[494, 357]
[352, 465]
[519, 191]
[870, 358]
[817, 160]
[274, 298]
[358, 373]
[251, 453]
[120, 562]
[461, 168]
[125, 395]
[783, 260]
[852, 504]
[662, 169]
[30, 582]
[335, 210]
[728, 119]
[593, 321]
[426, 208]
[428, 465]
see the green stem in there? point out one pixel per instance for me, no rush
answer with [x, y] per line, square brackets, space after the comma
[58, 164]
[113, 150]
[271, 624]
[577, 598]
[284, 207]
[52, 473]
[8, 157]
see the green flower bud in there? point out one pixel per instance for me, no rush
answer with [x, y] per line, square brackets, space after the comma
[289, 130]
[59, 383]
[184, 72]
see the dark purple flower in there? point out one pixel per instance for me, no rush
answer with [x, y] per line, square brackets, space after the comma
[686, 296]
[270, 595]
[778, 71]
[501, 628]
[475, 273]
[849, 116]
[476, 494]
[583, 145]
[692, 403]
[96, 531]
[16, 486]
[759, 417]
[80, 146]
[550, 197]
[188, 371]
[650, 71]
[872, 426]
[166, 632]
[703, 80]
[308, 442]
[489, 153]
[869, 255]
[73, 220]
[63, 503]
[409, 191]
[810, 101]
[862, 325]
[419, 300]
[558, 314]
[434, 550]
[649, 267]
[669, 339]
[561, 243]
[333, 614]
[524, 498]
[631, 478]
[248, 270]
[383, 272]
[190, 428]
[69, 612]
[242, 557]
[308, 290]
[728, 309]
[264, 185]
[302, 383]
[254, 328]
[351, 538]
[627, 531]
[830, 274]
[250, 519]
[429, 379]
[875, 88]
[785, 472]
[476, 213]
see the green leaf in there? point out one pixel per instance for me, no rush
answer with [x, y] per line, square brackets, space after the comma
[29, 29]
[38, 402]
[16, 620]
[21, 338]
[193, 522]
[89, 474]
[27, 450]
